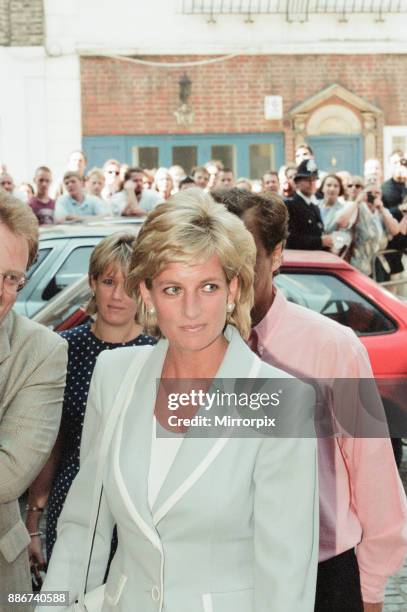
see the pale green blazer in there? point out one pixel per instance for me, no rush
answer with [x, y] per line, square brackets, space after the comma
[235, 524]
[32, 380]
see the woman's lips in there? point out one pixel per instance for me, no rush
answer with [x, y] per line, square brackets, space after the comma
[192, 328]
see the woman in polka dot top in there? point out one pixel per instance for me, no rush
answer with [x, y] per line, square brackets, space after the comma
[114, 325]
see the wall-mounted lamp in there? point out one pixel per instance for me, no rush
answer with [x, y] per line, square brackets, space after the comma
[184, 113]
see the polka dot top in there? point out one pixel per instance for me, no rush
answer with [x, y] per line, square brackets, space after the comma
[83, 349]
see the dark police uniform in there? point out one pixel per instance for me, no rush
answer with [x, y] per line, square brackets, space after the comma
[305, 225]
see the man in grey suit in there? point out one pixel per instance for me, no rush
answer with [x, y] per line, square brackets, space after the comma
[32, 379]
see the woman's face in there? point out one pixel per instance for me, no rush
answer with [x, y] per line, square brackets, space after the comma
[331, 190]
[163, 181]
[114, 306]
[355, 187]
[190, 303]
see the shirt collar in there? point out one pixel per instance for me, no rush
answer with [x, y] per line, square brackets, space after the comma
[76, 203]
[271, 320]
[307, 200]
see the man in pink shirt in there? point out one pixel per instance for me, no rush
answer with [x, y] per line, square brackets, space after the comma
[362, 501]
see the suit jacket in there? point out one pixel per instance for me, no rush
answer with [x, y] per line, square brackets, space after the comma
[32, 379]
[234, 527]
[304, 225]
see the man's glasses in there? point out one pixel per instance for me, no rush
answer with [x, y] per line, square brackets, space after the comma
[357, 185]
[13, 282]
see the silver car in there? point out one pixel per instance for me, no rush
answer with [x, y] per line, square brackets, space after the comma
[63, 258]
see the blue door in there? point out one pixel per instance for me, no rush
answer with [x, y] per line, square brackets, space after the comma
[248, 155]
[335, 153]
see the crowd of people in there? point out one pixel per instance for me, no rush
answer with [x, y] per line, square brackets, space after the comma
[193, 298]
[362, 219]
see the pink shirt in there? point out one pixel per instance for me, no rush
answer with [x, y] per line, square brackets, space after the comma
[362, 500]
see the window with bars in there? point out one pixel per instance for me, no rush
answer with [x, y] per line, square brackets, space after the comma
[293, 9]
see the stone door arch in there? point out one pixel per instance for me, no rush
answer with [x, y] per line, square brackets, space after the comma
[338, 111]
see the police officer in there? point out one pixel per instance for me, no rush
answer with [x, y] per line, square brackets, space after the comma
[305, 223]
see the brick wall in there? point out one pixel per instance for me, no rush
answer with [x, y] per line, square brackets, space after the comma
[21, 23]
[123, 98]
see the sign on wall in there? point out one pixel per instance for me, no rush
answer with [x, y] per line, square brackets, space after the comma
[273, 107]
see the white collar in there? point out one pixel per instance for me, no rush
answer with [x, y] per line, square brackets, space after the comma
[307, 200]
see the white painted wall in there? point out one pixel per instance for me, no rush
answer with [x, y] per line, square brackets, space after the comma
[39, 110]
[159, 27]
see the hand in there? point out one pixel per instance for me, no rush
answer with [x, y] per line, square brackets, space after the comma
[403, 207]
[327, 241]
[372, 607]
[129, 185]
[73, 218]
[362, 197]
[35, 554]
[379, 204]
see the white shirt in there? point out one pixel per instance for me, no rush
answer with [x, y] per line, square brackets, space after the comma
[307, 200]
[149, 199]
[163, 453]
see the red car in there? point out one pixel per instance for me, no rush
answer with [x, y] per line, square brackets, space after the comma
[327, 284]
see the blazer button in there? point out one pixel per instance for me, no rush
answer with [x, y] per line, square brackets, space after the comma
[155, 593]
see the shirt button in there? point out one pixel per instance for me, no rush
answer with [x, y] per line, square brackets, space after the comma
[155, 593]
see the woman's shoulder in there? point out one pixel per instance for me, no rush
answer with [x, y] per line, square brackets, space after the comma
[76, 333]
[121, 357]
[143, 339]
[269, 371]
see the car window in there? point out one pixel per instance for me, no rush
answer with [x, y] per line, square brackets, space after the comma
[42, 254]
[330, 296]
[73, 268]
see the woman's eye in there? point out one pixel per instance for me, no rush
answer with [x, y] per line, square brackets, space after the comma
[210, 287]
[107, 281]
[172, 290]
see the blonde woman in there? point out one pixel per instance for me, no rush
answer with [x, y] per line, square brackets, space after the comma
[204, 524]
[114, 326]
[163, 183]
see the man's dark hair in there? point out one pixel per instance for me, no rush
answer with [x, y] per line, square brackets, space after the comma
[188, 180]
[272, 172]
[130, 171]
[42, 169]
[72, 173]
[267, 214]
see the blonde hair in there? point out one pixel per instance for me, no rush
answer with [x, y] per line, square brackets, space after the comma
[95, 172]
[114, 250]
[190, 228]
[18, 217]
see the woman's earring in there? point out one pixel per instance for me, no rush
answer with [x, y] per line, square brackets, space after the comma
[93, 294]
[151, 310]
[230, 308]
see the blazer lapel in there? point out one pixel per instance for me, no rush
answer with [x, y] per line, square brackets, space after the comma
[132, 444]
[4, 339]
[195, 455]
